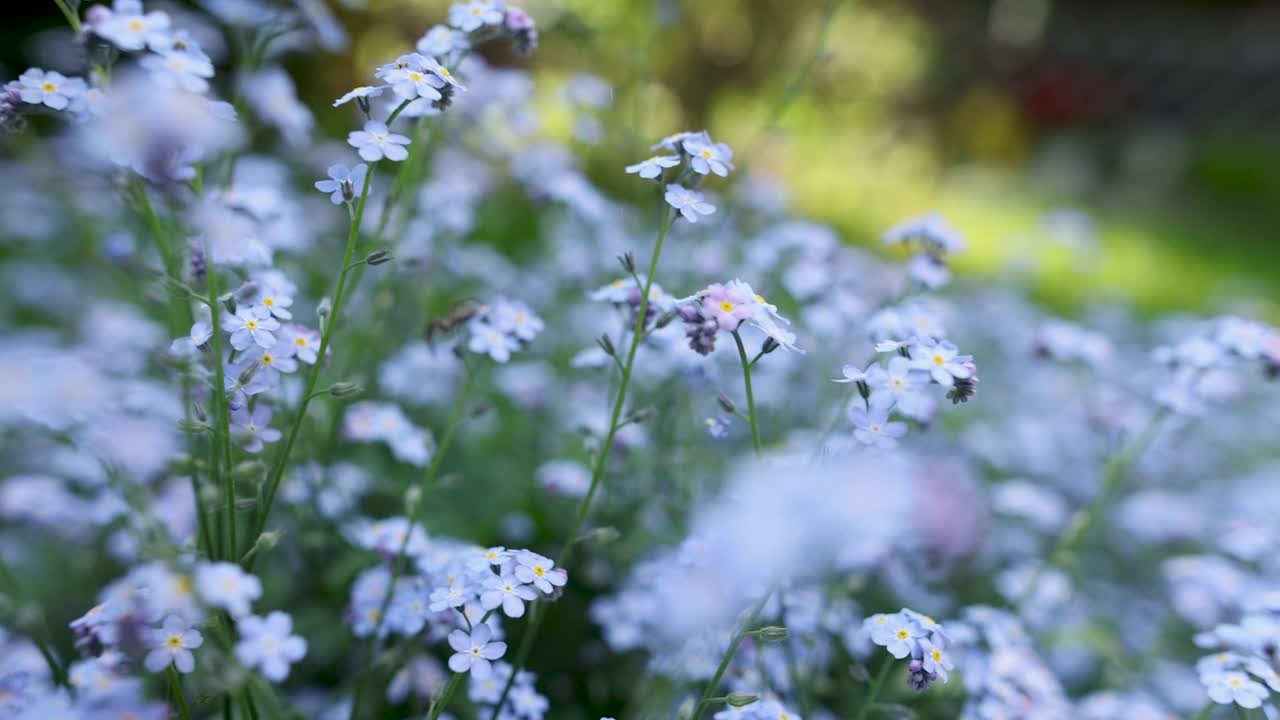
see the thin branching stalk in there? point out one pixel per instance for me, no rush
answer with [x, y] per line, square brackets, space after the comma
[602, 457]
[220, 437]
[401, 557]
[751, 400]
[438, 706]
[282, 457]
[739, 635]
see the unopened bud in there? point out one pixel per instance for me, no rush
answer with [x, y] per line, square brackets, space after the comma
[248, 470]
[726, 404]
[769, 346]
[771, 633]
[602, 535]
[607, 345]
[628, 262]
[685, 711]
[665, 318]
[412, 497]
[640, 416]
[325, 308]
[378, 257]
[345, 389]
[742, 699]
[247, 374]
[192, 427]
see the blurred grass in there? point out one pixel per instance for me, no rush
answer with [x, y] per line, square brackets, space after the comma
[865, 141]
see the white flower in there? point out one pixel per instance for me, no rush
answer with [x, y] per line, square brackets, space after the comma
[653, 167]
[941, 360]
[51, 89]
[895, 632]
[873, 427]
[1234, 687]
[488, 340]
[270, 645]
[708, 157]
[224, 585]
[689, 203]
[172, 645]
[376, 141]
[474, 651]
[366, 91]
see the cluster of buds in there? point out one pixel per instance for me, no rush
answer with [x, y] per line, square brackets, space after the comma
[919, 679]
[700, 329]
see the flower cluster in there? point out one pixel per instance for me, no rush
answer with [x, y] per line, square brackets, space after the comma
[908, 634]
[1245, 671]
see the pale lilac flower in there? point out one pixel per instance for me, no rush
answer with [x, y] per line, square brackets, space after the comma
[941, 360]
[506, 590]
[133, 30]
[474, 651]
[539, 571]
[653, 167]
[248, 329]
[689, 203]
[410, 79]
[516, 318]
[929, 229]
[473, 15]
[896, 633]
[344, 183]
[270, 645]
[376, 141]
[225, 585]
[51, 89]
[179, 70]
[442, 41]
[250, 427]
[455, 595]
[899, 381]
[873, 427]
[305, 342]
[934, 659]
[172, 645]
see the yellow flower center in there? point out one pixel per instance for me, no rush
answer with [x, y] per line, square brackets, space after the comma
[184, 585]
[903, 634]
[937, 655]
[251, 324]
[268, 302]
[726, 306]
[939, 360]
[135, 25]
[173, 641]
[539, 571]
[267, 359]
[445, 73]
[415, 76]
[48, 87]
[706, 154]
[300, 342]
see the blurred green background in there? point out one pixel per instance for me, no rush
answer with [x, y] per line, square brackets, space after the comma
[1158, 120]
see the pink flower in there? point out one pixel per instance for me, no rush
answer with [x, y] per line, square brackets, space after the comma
[727, 305]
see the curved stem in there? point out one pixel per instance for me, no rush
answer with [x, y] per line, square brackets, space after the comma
[746, 381]
[176, 682]
[282, 457]
[738, 637]
[874, 691]
[602, 458]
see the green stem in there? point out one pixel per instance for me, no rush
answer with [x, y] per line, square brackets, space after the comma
[602, 457]
[176, 682]
[282, 457]
[72, 18]
[746, 381]
[874, 691]
[439, 706]
[1113, 475]
[221, 436]
[738, 637]
[400, 560]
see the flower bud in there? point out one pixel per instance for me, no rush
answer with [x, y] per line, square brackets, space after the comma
[769, 346]
[602, 535]
[742, 699]
[345, 389]
[607, 345]
[726, 404]
[378, 257]
[771, 633]
[628, 262]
